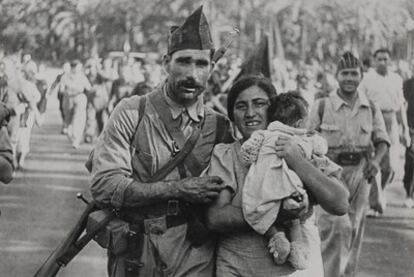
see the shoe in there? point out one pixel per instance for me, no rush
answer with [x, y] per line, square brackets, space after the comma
[75, 145]
[409, 203]
[64, 131]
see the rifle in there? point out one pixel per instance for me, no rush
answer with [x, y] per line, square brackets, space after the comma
[73, 243]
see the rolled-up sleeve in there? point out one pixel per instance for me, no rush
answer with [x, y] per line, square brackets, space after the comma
[379, 133]
[111, 157]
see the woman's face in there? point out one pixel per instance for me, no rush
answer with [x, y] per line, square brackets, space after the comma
[250, 111]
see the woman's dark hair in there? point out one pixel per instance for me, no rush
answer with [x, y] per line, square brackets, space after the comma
[288, 108]
[244, 83]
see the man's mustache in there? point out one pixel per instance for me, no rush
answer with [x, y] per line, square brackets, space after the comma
[190, 84]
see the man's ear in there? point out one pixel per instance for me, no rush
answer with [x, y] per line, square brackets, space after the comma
[166, 63]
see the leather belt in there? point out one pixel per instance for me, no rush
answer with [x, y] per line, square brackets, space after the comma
[350, 158]
[157, 218]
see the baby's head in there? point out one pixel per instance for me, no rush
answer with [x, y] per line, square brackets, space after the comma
[290, 109]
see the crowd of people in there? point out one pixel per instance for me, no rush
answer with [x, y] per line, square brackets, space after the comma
[216, 174]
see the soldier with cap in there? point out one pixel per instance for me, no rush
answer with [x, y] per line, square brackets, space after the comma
[357, 140]
[136, 173]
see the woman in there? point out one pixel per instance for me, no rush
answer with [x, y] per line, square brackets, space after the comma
[241, 251]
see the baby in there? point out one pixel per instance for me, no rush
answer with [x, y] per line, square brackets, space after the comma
[269, 180]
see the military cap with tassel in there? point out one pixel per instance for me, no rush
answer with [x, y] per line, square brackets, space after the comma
[348, 60]
[193, 34]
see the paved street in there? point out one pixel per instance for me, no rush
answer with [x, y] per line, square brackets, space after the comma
[39, 207]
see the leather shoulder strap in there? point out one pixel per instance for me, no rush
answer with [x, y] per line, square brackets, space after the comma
[134, 142]
[141, 112]
[174, 130]
[177, 159]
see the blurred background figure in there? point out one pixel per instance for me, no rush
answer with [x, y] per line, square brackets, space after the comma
[75, 86]
[408, 179]
[57, 89]
[121, 87]
[98, 98]
[6, 153]
[29, 96]
[385, 88]
[146, 85]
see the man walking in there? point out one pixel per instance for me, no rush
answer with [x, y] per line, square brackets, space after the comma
[385, 89]
[141, 139]
[357, 140]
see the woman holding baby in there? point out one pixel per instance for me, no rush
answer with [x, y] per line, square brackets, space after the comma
[249, 240]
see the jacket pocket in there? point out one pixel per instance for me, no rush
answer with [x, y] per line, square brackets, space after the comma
[141, 159]
[331, 133]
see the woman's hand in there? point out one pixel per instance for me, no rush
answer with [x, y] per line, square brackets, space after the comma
[288, 149]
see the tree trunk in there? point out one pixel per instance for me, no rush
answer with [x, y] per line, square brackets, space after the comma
[303, 37]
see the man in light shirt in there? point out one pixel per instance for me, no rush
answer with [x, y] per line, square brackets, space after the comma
[385, 89]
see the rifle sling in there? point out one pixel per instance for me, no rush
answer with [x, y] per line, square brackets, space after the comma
[173, 128]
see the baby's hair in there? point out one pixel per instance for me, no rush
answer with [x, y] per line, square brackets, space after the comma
[288, 108]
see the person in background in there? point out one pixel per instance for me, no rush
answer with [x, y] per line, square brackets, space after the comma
[144, 86]
[121, 87]
[75, 85]
[385, 88]
[98, 98]
[58, 89]
[6, 153]
[30, 97]
[357, 140]
[408, 179]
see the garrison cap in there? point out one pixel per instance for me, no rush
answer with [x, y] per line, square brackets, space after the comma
[348, 60]
[193, 34]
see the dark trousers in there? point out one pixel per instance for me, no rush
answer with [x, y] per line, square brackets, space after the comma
[408, 179]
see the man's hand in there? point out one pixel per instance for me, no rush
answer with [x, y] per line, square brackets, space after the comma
[371, 169]
[200, 189]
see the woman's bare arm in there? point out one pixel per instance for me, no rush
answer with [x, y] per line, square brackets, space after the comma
[330, 193]
[223, 217]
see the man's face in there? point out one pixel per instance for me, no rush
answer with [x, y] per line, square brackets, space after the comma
[188, 71]
[349, 79]
[382, 60]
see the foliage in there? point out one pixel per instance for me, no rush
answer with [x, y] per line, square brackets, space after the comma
[321, 29]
